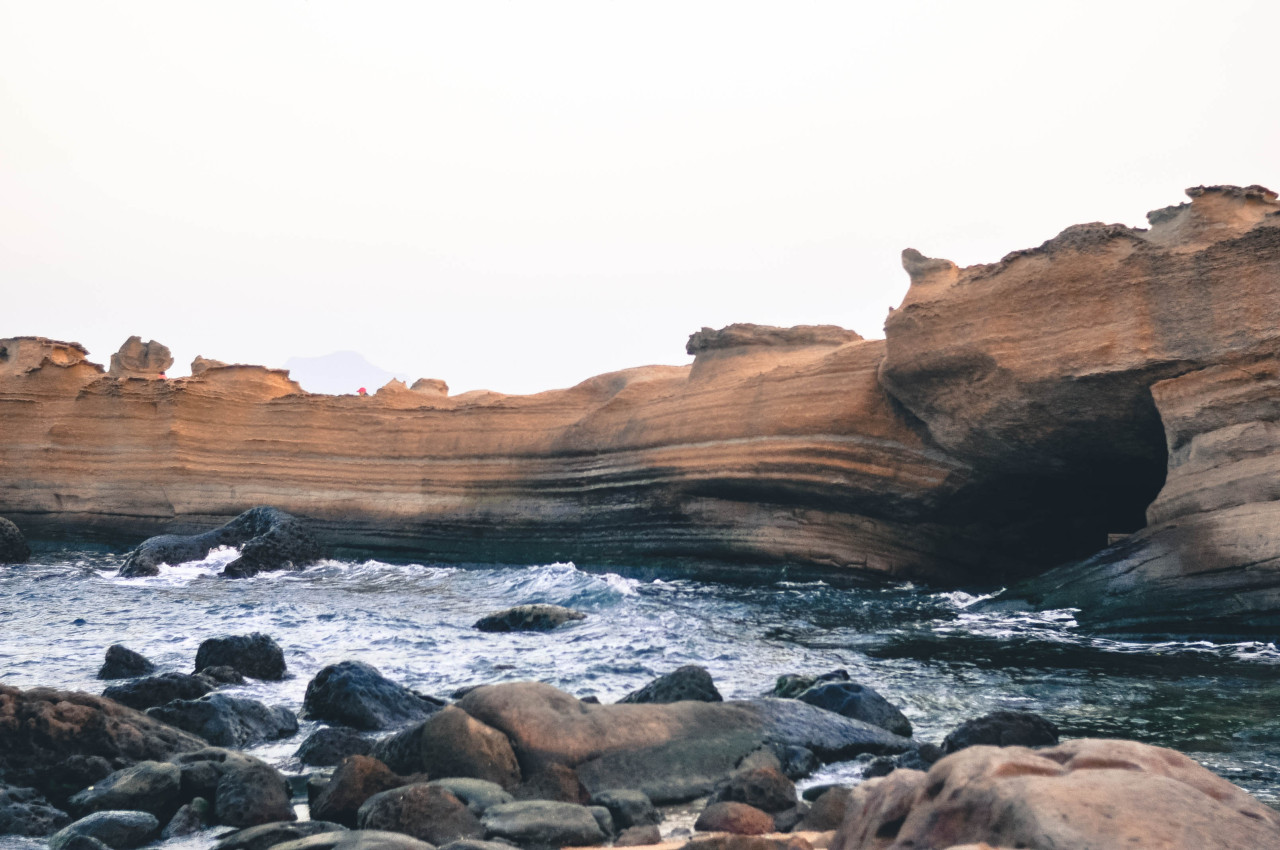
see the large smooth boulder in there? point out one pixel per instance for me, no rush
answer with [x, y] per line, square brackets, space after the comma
[245, 791]
[424, 811]
[13, 545]
[329, 745]
[452, 743]
[152, 691]
[627, 807]
[859, 702]
[254, 655]
[355, 694]
[268, 835]
[361, 839]
[23, 811]
[671, 752]
[59, 742]
[690, 682]
[118, 830]
[543, 823]
[737, 818]
[1085, 793]
[227, 721]
[123, 663]
[268, 539]
[529, 618]
[148, 786]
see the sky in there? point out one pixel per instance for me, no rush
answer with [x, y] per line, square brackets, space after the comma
[519, 195]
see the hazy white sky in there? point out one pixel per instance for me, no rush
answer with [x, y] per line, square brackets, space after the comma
[518, 195]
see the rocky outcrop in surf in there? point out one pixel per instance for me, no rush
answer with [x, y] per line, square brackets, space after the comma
[268, 539]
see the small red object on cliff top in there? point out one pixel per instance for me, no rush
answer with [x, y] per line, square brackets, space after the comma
[362, 391]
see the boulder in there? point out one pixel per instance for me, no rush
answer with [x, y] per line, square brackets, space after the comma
[268, 835]
[152, 691]
[24, 812]
[148, 786]
[357, 779]
[13, 546]
[268, 539]
[671, 752]
[424, 811]
[355, 694]
[638, 836]
[627, 807]
[365, 839]
[59, 742]
[763, 787]
[792, 685]
[190, 818]
[859, 702]
[543, 823]
[827, 811]
[117, 830]
[245, 791]
[738, 818]
[690, 682]
[227, 721]
[478, 794]
[452, 743]
[138, 359]
[1085, 793]
[553, 782]
[254, 655]
[528, 618]
[329, 745]
[1002, 729]
[604, 820]
[730, 841]
[123, 663]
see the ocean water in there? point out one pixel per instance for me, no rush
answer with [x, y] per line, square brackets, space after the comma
[927, 652]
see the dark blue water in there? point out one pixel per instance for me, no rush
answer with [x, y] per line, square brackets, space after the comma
[924, 650]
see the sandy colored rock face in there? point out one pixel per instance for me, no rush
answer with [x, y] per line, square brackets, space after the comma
[138, 359]
[1086, 793]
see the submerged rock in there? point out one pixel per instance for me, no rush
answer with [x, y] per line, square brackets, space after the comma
[1085, 793]
[227, 721]
[355, 694]
[1002, 729]
[529, 618]
[690, 682]
[269, 539]
[123, 663]
[254, 655]
[13, 546]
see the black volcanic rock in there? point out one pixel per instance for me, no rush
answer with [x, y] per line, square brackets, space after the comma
[123, 663]
[254, 655]
[355, 694]
[689, 682]
[269, 539]
[158, 690]
[13, 546]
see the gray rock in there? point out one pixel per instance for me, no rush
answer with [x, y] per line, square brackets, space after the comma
[544, 823]
[792, 685]
[118, 830]
[763, 787]
[355, 694]
[254, 655]
[13, 546]
[628, 807]
[604, 820]
[689, 682]
[478, 794]
[148, 786]
[526, 618]
[360, 839]
[245, 791]
[123, 663]
[227, 721]
[269, 539]
[329, 745]
[475, 844]
[427, 812]
[23, 811]
[153, 691]
[267, 835]
[222, 674]
[189, 819]
[859, 702]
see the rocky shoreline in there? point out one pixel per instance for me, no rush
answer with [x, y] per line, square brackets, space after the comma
[523, 764]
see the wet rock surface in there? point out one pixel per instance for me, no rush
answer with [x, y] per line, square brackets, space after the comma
[859, 702]
[123, 663]
[245, 791]
[268, 835]
[153, 691]
[13, 545]
[117, 830]
[543, 823]
[428, 812]
[148, 786]
[227, 721]
[529, 618]
[255, 655]
[356, 780]
[1002, 729]
[355, 694]
[691, 682]
[329, 745]
[23, 811]
[452, 743]
[268, 539]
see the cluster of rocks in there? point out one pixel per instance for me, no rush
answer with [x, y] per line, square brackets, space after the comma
[523, 764]
[268, 539]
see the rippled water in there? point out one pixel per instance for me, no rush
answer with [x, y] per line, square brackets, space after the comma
[925, 651]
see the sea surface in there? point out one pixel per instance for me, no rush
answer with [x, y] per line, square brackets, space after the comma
[928, 652]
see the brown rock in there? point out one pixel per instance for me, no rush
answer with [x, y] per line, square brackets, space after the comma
[749, 842]
[763, 787]
[638, 836]
[428, 812]
[738, 818]
[203, 364]
[554, 782]
[827, 812]
[354, 781]
[1085, 793]
[452, 743]
[138, 359]
[62, 741]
